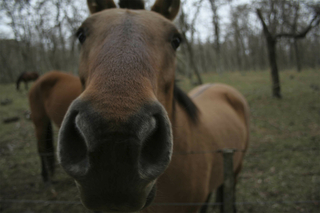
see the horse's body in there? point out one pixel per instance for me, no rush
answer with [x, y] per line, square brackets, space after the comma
[26, 77]
[133, 137]
[49, 99]
[196, 169]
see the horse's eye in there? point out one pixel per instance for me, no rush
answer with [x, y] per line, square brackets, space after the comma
[176, 41]
[81, 36]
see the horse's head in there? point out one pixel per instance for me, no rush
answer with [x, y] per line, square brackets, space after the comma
[116, 139]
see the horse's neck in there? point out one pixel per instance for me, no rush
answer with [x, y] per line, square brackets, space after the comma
[185, 131]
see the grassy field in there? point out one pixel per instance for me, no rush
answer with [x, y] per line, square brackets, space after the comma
[281, 170]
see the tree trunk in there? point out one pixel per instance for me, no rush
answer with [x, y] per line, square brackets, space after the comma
[271, 44]
[189, 47]
[276, 89]
[296, 50]
[192, 62]
[216, 27]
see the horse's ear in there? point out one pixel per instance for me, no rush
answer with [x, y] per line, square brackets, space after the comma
[167, 8]
[99, 5]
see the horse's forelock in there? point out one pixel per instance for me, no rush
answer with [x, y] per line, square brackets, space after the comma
[132, 4]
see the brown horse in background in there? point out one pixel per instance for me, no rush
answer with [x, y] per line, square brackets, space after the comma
[49, 99]
[26, 77]
[133, 137]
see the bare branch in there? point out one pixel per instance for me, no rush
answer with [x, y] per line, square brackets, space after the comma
[265, 27]
[304, 32]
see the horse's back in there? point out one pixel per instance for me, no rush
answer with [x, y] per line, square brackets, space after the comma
[223, 107]
[52, 94]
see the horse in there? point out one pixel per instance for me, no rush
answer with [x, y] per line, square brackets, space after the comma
[132, 140]
[26, 77]
[49, 99]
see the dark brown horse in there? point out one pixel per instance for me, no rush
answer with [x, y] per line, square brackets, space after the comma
[26, 77]
[49, 99]
[128, 139]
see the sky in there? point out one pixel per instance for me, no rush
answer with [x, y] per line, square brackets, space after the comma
[204, 27]
[204, 21]
[5, 30]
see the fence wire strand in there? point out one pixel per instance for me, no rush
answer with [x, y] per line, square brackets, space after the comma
[316, 202]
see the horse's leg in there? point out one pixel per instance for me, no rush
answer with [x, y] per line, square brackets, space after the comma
[234, 199]
[234, 187]
[219, 197]
[219, 192]
[204, 208]
[50, 149]
[44, 169]
[45, 147]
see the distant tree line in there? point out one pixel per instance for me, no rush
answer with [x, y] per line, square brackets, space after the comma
[44, 36]
[243, 45]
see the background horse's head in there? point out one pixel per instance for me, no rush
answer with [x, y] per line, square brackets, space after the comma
[116, 139]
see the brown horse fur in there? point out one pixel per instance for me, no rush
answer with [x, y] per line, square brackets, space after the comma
[132, 138]
[26, 77]
[49, 99]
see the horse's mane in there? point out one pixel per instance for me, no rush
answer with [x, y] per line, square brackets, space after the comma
[186, 103]
[132, 4]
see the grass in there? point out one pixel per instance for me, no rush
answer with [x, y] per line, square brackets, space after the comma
[281, 170]
[20, 165]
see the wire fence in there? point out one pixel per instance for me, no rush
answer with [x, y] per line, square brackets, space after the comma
[61, 202]
[315, 202]
[251, 150]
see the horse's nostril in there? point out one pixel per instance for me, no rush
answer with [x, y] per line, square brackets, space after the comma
[156, 148]
[147, 129]
[72, 148]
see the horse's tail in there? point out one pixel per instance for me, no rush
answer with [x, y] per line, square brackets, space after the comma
[19, 80]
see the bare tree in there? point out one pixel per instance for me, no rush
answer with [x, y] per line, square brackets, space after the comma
[184, 28]
[215, 4]
[271, 36]
[43, 36]
[240, 30]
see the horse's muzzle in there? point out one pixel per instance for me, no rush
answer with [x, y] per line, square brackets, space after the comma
[114, 160]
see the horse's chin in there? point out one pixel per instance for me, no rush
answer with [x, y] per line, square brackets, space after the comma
[109, 207]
